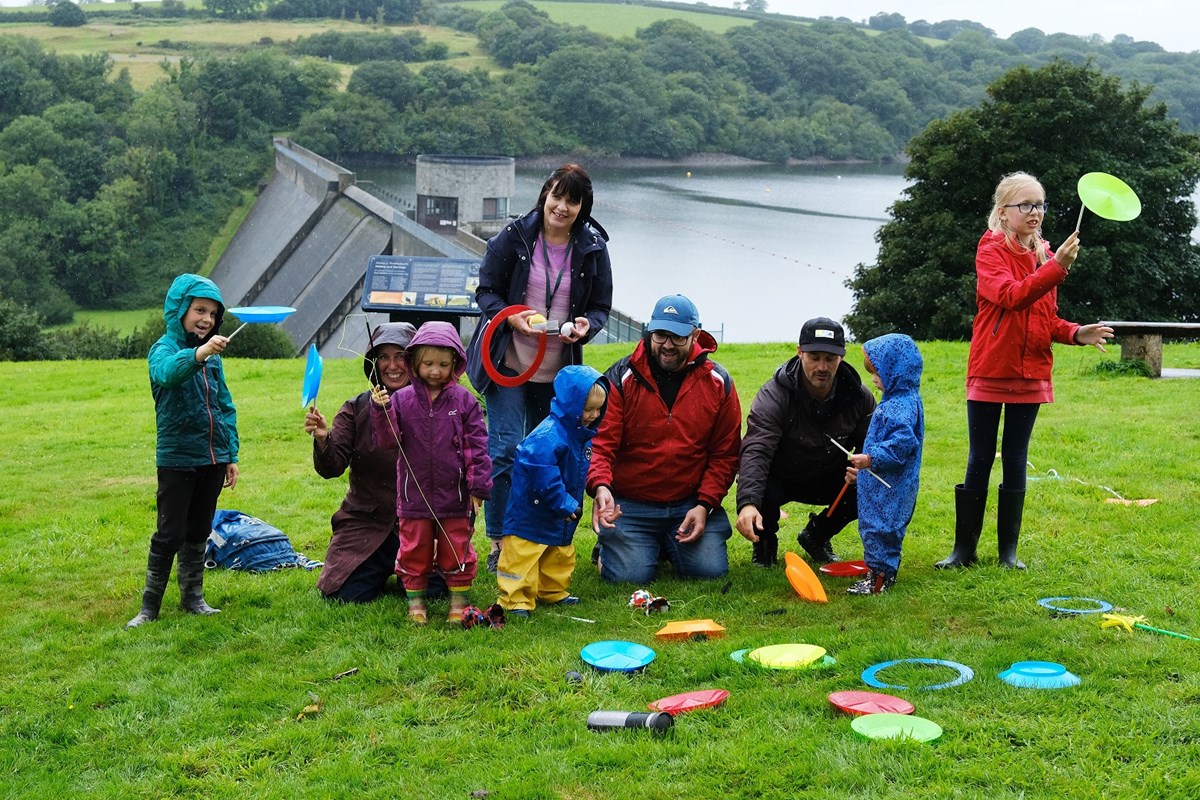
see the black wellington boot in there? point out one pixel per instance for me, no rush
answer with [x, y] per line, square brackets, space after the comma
[766, 549]
[1008, 526]
[158, 573]
[191, 580]
[968, 524]
[817, 541]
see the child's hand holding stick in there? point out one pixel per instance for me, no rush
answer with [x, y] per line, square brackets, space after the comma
[848, 453]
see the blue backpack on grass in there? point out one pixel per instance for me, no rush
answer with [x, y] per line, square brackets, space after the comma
[242, 542]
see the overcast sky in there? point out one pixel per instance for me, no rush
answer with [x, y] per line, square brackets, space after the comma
[1174, 24]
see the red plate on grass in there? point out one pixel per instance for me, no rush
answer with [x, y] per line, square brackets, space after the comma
[862, 703]
[690, 701]
[844, 569]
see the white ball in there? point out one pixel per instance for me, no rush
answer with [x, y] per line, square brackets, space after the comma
[567, 329]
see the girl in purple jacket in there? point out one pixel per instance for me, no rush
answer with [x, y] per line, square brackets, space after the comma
[443, 473]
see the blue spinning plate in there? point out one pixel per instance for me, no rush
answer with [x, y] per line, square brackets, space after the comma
[312, 377]
[617, 656]
[262, 313]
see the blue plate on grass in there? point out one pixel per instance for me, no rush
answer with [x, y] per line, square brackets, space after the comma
[617, 656]
[1039, 675]
[262, 313]
[312, 377]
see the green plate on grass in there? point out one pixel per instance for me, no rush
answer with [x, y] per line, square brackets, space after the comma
[787, 656]
[896, 726]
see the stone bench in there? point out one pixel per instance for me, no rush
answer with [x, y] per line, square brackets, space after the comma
[1143, 340]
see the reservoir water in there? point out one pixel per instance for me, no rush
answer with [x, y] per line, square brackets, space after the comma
[759, 249]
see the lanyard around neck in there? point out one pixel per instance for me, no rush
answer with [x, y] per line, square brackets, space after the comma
[550, 292]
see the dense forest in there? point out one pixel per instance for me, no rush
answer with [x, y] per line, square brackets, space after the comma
[106, 192]
[772, 91]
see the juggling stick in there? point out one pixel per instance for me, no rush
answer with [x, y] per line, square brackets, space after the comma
[1129, 622]
[847, 452]
[837, 500]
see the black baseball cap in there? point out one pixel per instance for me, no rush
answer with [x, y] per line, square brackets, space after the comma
[823, 335]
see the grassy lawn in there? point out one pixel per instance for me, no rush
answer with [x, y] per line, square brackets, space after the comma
[123, 322]
[212, 707]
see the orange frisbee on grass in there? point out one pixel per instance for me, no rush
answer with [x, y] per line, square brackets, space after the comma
[691, 629]
[803, 579]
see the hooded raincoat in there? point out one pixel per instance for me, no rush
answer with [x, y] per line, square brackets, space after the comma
[197, 423]
[894, 442]
[368, 513]
[444, 458]
[552, 463]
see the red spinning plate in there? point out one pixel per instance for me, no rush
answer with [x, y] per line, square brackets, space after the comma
[862, 703]
[844, 569]
[690, 701]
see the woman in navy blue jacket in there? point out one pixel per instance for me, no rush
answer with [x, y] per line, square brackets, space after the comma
[555, 261]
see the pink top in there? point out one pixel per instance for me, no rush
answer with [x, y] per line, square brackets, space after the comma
[549, 277]
[1010, 390]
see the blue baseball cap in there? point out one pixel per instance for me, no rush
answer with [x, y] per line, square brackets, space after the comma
[674, 314]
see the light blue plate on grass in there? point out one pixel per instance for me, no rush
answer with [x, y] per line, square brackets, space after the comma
[617, 656]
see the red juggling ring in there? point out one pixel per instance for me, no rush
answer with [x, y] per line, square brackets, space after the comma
[509, 381]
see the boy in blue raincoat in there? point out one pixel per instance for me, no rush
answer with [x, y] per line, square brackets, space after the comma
[537, 556]
[892, 451]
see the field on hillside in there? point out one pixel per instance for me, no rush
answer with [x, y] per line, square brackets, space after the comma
[618, 19]
[283, 695]
[141, 46]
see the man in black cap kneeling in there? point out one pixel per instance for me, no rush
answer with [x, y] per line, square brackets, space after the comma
[787, 454]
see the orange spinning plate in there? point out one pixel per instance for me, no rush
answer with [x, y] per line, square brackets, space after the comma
[803, 579]
[691, 628]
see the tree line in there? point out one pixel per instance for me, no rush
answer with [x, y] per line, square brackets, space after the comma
[773, 90]
[106, 193]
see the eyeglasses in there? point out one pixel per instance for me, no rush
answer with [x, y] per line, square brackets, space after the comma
[661, 337]
[1029, 208]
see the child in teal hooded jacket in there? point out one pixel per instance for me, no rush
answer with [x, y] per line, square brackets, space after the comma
[197, 449]
[892, 451]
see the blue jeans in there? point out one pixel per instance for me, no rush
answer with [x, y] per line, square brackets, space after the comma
[645, 532]
[511, 415]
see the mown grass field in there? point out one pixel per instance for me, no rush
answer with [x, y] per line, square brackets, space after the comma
[618, 19]
[213, 707]
[141, 46]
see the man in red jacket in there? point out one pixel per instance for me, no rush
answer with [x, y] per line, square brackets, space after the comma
[666, 453]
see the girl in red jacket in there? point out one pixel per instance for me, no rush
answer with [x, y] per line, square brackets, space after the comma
[1009, 367]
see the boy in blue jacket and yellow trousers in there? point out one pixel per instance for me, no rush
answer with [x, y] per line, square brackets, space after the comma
[537, 558]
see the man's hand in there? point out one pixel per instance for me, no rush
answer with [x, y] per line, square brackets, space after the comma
[605, 510]
[749, 522]
[693, 525]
